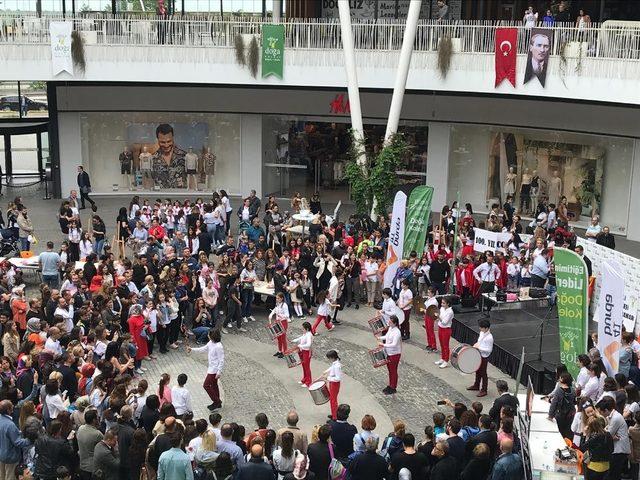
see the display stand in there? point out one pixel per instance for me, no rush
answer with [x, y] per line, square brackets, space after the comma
[118, 243]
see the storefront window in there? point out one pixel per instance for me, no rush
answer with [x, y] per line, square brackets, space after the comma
[162, 151]
[539, 168]
[306, 155]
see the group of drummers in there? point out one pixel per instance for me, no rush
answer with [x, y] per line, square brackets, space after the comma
[390, 327]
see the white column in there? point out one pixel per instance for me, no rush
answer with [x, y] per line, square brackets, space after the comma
[250, 154]
[438, 163]
[633, 224]
[277, 7]
[352, 75]
[403, 68]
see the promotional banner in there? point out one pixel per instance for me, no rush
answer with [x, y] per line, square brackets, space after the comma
[272, 50]
[417, 222]
[610, 307]
[571, 282]
[506, 55]
[630, 313]
[538, 57]
[396, 238]
[60, 33]
[487, 241]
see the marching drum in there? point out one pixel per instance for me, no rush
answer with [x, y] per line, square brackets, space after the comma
[319, 392]
[276, 329]
[292, 357]
[466, 358]
[378, 357]
[378, 325]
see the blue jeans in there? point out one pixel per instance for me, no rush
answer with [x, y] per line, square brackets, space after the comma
[51, 280]
[98, 246]
[201, 334]
[24, 243]
[247, 301]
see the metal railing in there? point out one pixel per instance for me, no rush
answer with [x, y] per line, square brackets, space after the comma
[611, 40]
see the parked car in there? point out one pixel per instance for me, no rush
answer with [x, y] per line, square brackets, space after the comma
[13, 103]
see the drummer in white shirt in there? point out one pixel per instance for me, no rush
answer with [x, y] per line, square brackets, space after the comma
[389, 306]
[333, 375]
[485, 345]
[281, 312]
[393, 348]
[445, 321]
[304, 345]
[405, 302]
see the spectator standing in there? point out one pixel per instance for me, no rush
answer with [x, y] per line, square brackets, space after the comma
[84, 184]
[447, 467]
[175, 464]
[504, 399]
[256, 468]
[442, 14]
[368, 465]
[606, 239]
[508, 466]
[342, 433]
[319, 455]
[88, 437]
[300, 440]
[50, 265]
[11, 442]
[409, 458]
[106, 460]
[617, 428]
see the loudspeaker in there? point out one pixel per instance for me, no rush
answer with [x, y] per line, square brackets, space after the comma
[535, 292]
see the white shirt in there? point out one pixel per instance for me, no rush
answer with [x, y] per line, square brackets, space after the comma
[583, 377]
[215, 354]
[226, 203]
[325, 307]
[333, 289]
[371, 267]
[486, 272]
[304, 341]
[181, 400]
[335, 372]
[432, 301]
[388, 308]
[67, 317]
[392, 341]
[281, 311]
[55, 405]
[485, 343]
[591, 388]
[446, 317]
[405, 299]
[513, 269]
[53, 346]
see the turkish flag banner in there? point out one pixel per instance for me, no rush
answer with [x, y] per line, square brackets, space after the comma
[506, 55]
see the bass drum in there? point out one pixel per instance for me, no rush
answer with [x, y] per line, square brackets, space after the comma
[319, 392]
[465, 358]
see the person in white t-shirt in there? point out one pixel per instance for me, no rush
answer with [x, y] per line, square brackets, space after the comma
[405, 302]
[333, 375]
[215, 354]
[388, 305]
[281, 313]
[304, 345]
[445, 322]
[392, 343]
[181, 397]
[485, 346]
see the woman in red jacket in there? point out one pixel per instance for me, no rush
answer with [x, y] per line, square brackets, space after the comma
[136, 326]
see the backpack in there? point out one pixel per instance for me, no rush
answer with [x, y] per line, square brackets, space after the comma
[566, 409]
[391, 445]
[336, 469]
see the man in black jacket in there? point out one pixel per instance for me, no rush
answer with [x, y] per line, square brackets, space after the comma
[84, 184]
[256, 468]
[606, 239]
[504, 399]
[439, 274]
[447, 467]
[342, 433]
[486, 435]
[369, 465]
[52, 451]
[125, 430]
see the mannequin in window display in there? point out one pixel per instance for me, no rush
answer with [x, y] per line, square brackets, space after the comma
[191, 162]
[145, 168]
[209, 166]
[126, 164]
[510, 183]
[555, 188]
[525, 191]
[169, 165]
[536, 184]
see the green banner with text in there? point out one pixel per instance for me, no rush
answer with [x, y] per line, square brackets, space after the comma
[573, 308]
[272, 50]
[417, 221]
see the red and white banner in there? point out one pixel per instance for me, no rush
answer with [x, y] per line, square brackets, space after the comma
[506, 55]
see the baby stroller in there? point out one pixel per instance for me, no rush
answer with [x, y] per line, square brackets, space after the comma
[9, 246]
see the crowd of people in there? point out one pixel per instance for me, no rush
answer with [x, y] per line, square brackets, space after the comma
[73, 395]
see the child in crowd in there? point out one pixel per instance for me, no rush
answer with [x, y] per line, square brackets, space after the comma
[513, 273]
[181, 397]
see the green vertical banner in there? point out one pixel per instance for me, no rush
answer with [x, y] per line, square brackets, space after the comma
[272, 50]
[573, 308]
[418, 211]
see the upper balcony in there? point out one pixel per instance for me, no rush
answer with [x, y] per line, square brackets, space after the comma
[600, 63]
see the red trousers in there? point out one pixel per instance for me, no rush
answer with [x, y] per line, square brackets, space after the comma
[444, 334]
[210, 386]
[282, 339]
[405, 327]
[305, 357]
[392, 366]
[319, 319]
[431, 333]
[334, 389]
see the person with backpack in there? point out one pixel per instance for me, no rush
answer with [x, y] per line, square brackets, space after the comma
[393, 442]
[562, 408]
[368, 465]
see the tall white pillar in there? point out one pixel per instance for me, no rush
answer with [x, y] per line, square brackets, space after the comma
[277, 8]
[438, 162]
[352, 76]
[403, 68]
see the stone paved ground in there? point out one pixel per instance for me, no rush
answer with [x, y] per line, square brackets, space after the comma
[252, 384]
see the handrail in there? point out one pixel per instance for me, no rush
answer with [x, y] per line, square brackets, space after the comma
[606, 40]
